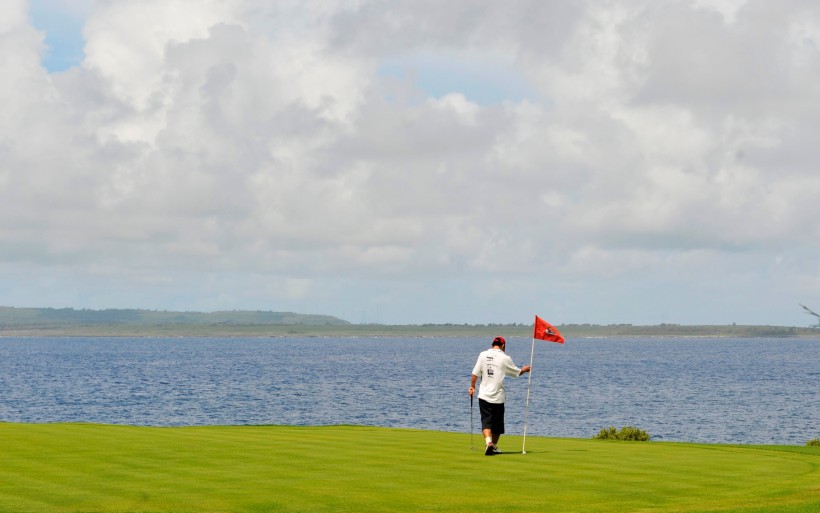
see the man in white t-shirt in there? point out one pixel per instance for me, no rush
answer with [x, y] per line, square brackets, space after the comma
[493, 366]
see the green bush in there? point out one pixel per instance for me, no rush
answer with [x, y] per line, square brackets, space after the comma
[625, 433]
[609, 433]
[813, 442]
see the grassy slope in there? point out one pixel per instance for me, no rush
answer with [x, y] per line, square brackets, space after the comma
[81, 467]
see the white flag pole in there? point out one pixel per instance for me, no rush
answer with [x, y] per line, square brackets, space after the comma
[527, 407]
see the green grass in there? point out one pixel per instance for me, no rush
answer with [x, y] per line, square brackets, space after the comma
[99, 468]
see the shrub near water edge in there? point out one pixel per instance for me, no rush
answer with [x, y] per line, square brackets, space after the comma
[814, 442]
[626, 433]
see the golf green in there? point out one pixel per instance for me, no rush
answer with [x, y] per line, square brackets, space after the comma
[103, 468]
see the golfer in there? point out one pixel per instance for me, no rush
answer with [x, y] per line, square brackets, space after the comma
[493, 366]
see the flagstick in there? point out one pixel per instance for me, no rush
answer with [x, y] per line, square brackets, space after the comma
[527, 407]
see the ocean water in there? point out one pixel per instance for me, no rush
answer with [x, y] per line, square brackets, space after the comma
[751, 391]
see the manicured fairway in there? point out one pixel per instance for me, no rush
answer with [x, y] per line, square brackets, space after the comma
[94, 468]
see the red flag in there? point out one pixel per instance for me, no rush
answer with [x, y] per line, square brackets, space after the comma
[546, 331]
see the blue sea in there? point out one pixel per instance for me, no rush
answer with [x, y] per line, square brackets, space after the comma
[713, 390]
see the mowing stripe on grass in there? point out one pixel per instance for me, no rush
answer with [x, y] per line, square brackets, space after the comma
[84, 467]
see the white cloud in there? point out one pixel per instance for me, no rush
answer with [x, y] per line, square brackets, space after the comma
[12, 14]
[127, 41]
[726, 8]
[202, 144]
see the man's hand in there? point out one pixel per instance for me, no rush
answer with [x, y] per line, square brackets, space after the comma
[525, 369]
[472, 391]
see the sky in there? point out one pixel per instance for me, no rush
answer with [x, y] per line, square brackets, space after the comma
[414, 161]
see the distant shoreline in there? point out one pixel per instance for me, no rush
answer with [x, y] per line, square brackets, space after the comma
[378, 330]
[70, 322]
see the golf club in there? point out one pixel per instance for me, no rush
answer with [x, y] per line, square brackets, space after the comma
[472, 431]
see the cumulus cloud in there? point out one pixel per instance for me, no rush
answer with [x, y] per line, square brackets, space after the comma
[225, 154]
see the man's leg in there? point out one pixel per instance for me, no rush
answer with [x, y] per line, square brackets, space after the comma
[498, 426]
[487, 420]
[489, 437]
[490, 440]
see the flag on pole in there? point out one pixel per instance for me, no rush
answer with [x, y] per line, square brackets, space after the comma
[546, 331]
[542, 331]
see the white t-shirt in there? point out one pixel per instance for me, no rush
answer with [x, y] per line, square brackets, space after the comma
[492, 366]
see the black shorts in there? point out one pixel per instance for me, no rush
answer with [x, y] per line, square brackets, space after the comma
[492, 416]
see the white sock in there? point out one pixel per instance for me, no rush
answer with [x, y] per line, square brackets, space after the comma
[488, 439]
